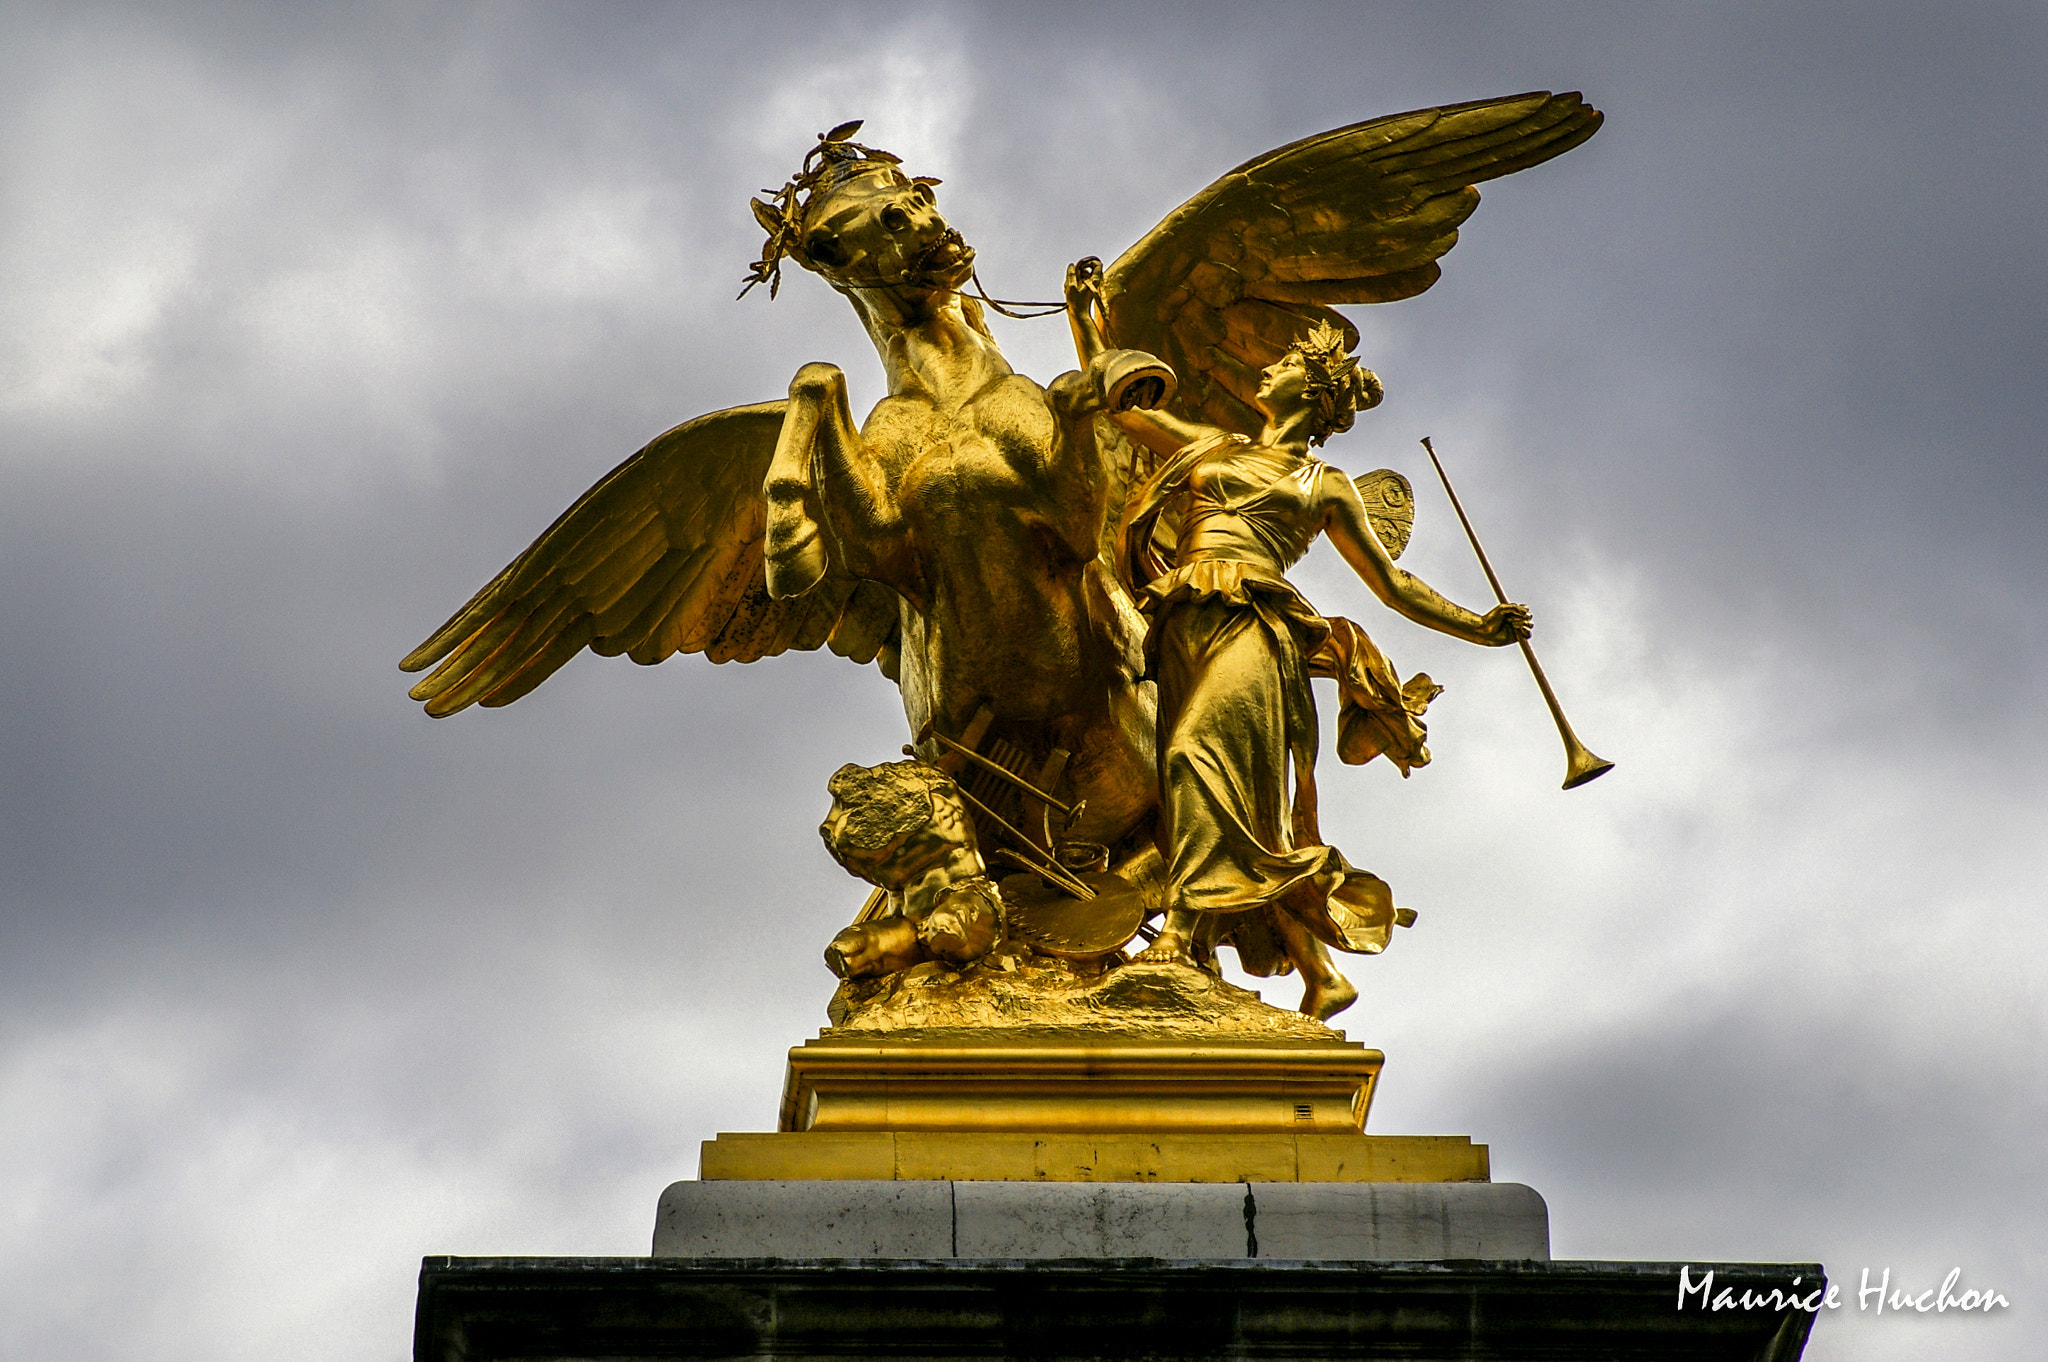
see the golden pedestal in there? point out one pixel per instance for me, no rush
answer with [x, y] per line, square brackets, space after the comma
[1074, 1107]
[1063, 1084]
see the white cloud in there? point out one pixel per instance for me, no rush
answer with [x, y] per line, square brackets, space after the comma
[912, 84]
[123, 159]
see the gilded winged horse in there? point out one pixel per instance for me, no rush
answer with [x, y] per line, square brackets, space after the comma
[957, 537]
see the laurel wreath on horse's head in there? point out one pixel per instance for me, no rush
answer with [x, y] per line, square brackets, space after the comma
[835, 159]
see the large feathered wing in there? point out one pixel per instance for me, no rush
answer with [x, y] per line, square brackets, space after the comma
[662, 556]
[1236, 274]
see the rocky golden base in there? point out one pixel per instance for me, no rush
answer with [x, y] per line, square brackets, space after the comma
[1013, 993]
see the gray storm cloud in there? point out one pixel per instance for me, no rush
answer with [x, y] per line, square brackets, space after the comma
[311, 319]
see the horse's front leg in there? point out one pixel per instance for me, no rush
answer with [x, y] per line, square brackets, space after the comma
[820, 469]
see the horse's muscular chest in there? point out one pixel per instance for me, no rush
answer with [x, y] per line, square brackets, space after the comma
[977, 478]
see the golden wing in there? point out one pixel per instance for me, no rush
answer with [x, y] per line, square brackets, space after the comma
[1236, 274]
[662, 556]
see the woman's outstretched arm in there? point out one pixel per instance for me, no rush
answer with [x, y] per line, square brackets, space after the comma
[1344, 520]
[1161, 431]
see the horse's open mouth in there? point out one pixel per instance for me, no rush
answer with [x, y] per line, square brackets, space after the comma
[948, 258]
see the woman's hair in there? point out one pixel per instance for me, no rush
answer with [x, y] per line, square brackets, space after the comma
[1338, 387]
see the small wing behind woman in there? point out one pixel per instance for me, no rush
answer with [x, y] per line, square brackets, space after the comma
[662, 556]
[1238, 273]
[1389, 501]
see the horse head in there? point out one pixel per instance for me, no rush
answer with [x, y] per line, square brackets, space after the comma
[852, 217]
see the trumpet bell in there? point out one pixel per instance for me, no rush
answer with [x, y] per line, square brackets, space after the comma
[1582, 766]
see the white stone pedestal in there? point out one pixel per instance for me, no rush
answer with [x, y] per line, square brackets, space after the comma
[1350, 1221]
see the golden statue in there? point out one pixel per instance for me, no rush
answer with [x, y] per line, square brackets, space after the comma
[964, 539]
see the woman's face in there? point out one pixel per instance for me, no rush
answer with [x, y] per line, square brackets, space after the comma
[1283, 386]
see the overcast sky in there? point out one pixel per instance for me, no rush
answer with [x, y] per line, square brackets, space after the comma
[312, 317]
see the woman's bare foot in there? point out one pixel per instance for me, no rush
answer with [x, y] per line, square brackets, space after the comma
[1169, 948]
[1325, 992]
[1324, 997]
[1172, 945]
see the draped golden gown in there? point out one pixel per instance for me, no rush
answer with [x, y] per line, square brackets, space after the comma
[1232, 646]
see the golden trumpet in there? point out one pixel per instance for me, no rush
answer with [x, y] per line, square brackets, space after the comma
[1581, 765]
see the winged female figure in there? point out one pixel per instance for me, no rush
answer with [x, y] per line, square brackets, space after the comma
[1232, 646]
[957, 537]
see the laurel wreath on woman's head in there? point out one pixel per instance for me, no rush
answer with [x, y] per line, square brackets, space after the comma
[833, 160]
[1336, 384]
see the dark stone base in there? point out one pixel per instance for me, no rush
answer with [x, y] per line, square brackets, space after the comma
[641, 1309]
